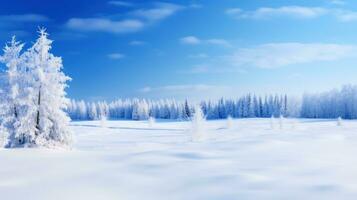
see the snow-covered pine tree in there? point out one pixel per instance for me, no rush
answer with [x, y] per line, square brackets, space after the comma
[339, 121]
[9, 93]
[229, 122]
[198, 126]
[82, 110]
[285, 107]
[48, 84]
[187, 110]
[140, 110]
[151, 122]
[92, 113]
[281, 121]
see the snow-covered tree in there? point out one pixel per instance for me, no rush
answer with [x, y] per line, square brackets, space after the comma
[10, 101]
[339, 121]
[186, 111]
[34, 95]
[140, 110]
[281, 121]
[272, 122]
[92, 114]
[48, 93]
[198, 125]
[103, 121]
[151, 122]
[82, 110]
[229, 122]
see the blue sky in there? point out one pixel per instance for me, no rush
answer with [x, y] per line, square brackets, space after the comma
[193, 49]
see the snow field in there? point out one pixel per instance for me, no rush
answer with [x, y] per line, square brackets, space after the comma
[304, 159]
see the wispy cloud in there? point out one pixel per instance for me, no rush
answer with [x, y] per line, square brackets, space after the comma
[198, 69]
[287, 11]
[120, 3]
[346, 16]
[273, 56]
[190, 40]
[131, 22]
[298, 12]
[276, 55]
[195, 5]
[105, 25]
[115, 56]
[14, 24]
[338, 2]
[24, 18]
[221, 42]
[137, 43]
[199, 55]
[193, 40]
[161, 11]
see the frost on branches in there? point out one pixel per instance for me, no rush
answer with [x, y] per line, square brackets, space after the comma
[33, 96]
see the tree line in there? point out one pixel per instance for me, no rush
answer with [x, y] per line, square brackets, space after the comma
[331, 104]
[141, 109]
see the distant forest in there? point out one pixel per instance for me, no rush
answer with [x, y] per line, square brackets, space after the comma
[332, 104]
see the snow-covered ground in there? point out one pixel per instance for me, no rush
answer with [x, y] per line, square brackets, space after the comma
[303, 159]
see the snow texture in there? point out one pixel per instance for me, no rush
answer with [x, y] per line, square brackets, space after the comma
[306, 159]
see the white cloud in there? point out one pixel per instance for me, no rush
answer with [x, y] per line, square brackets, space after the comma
[14, 24]
[161, 11]
[301, 12]
[105, 25]
[346, 16]
[116, 56]
[145, 89]
[131, 22]
[221, 42]
[190, 40]
[193, 40]
[288, 11]
[199, 55]
[195, 5]
[137, 43]
[120, 3]
[24, 18]
[276, 55]
[234, 11]
[198, 69]
[338, 2]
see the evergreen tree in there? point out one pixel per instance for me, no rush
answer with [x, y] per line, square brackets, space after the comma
[12, 95]
[49, 83]
[35, 95]
[187, 110]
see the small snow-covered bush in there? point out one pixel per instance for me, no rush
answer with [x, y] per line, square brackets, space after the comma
[229, 122]
[151, 122]
[272, 122]
[281, 122]
[103, 121]
[339, 121]
[198, 125]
